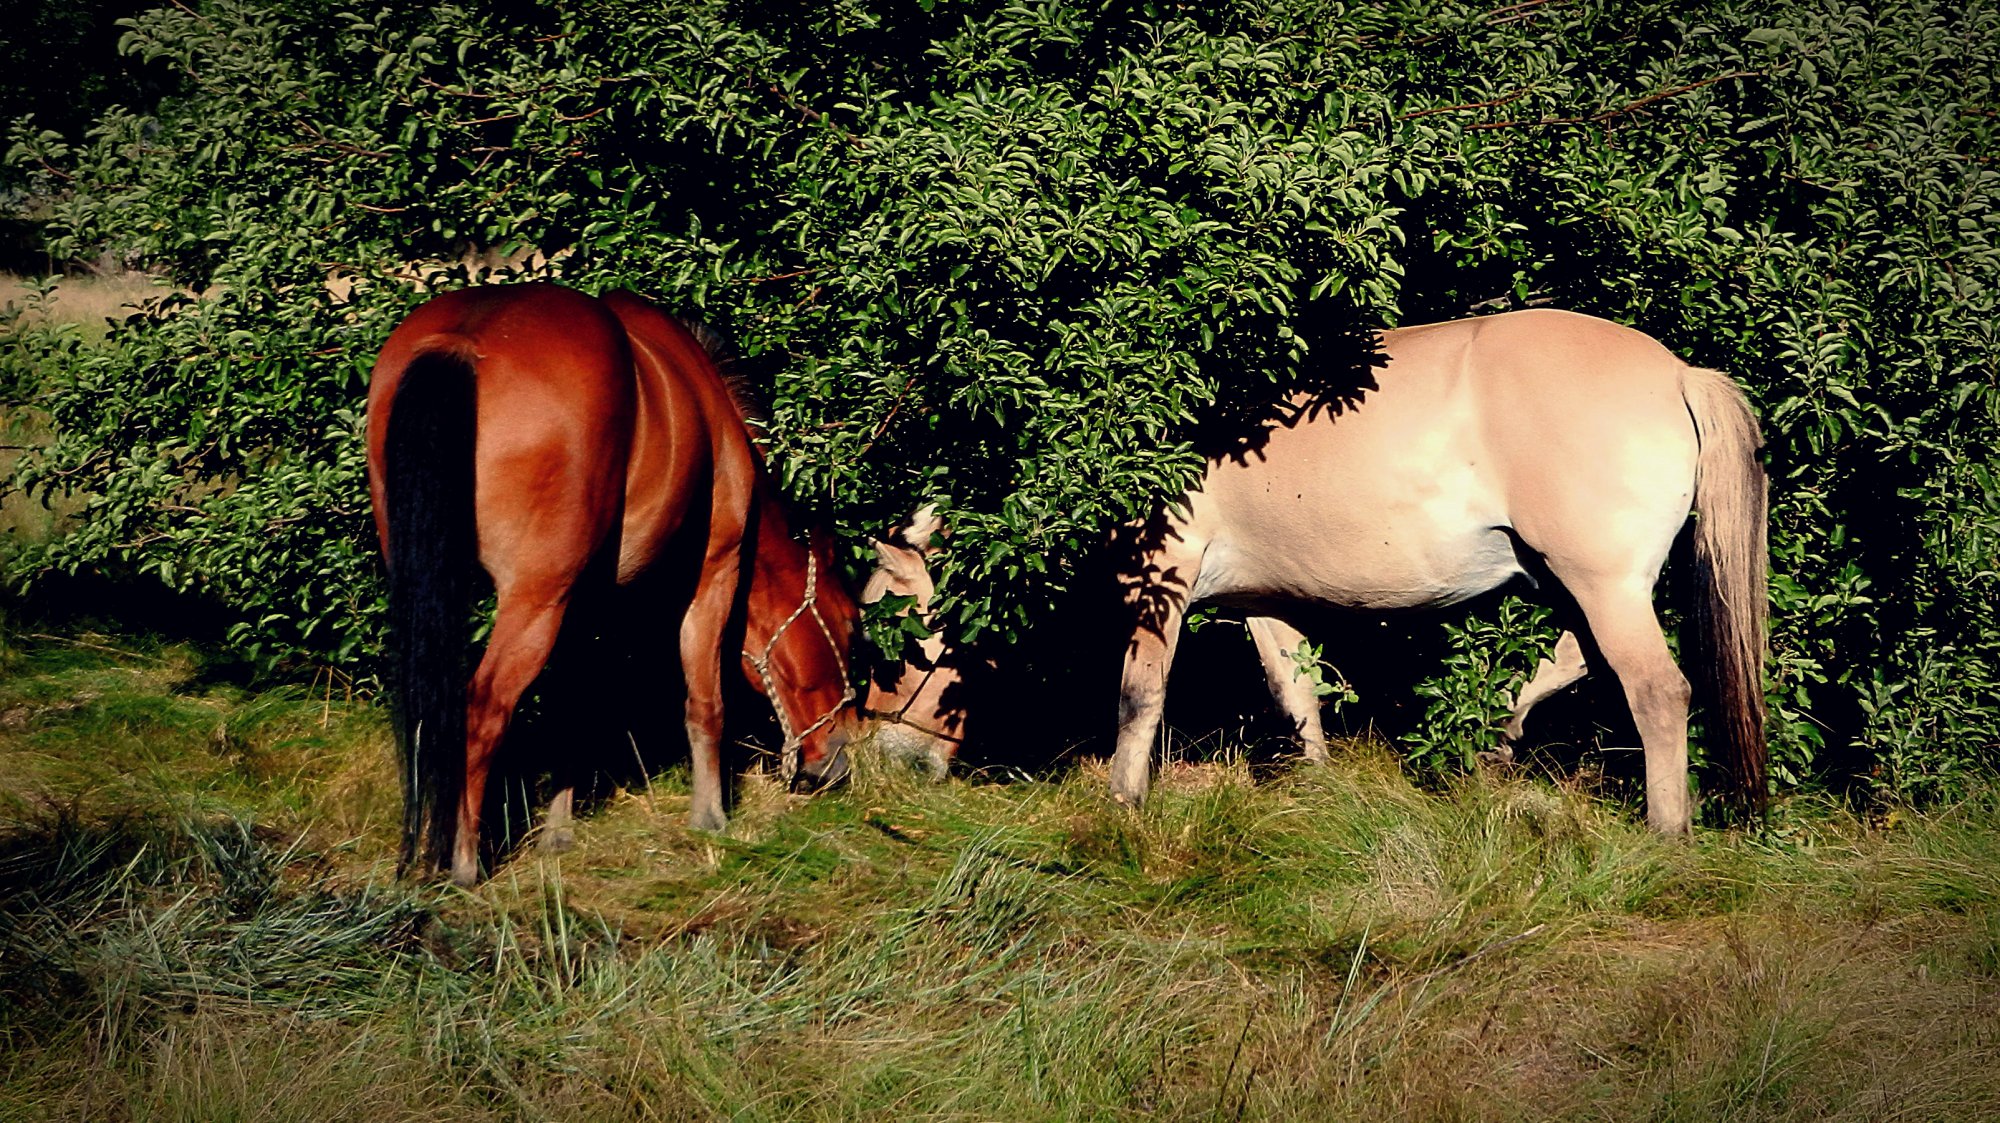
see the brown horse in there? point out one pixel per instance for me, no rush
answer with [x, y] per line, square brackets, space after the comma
[1543, 447]
[568, 445]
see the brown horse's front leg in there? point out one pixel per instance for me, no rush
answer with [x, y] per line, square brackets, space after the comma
[701, 663]
[523, 636]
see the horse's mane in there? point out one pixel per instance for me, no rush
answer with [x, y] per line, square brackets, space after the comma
[728, 363]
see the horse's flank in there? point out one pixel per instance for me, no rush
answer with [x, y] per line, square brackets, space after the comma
[799, 618]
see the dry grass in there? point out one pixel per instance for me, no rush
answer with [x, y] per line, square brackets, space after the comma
[86, 299]
[200, 924]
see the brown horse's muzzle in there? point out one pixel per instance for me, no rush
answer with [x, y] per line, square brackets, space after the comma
[829, 770]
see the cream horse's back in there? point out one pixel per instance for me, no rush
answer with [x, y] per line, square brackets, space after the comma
[1544, 445]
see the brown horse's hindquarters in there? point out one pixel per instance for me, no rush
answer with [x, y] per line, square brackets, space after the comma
[535, 431]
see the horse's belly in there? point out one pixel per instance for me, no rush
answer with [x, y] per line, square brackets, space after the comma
[1360, 566]
[1358, 520]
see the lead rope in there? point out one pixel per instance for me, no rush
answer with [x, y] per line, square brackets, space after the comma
[793, 752]
[900, 716]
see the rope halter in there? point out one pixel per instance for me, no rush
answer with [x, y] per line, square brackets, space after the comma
[901, 714]
[792, 755]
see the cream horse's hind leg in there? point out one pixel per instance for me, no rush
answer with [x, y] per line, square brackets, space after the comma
[1626, 632]
[1290, 686]
[1564, 666]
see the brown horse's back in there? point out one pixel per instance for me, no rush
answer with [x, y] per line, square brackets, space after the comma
[685, 428]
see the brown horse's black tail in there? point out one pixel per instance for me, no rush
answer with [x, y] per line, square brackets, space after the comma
[427, 484]
[1730, 599]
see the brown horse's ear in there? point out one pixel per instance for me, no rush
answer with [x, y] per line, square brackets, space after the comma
[925, 524]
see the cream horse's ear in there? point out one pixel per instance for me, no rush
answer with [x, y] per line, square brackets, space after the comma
[898, 561]
[925, 524]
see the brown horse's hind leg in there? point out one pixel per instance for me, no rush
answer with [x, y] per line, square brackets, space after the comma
[524, 632]
[1564, 666]
[576, 694]
[702, 631]
[1290, 687]
[1627, 633]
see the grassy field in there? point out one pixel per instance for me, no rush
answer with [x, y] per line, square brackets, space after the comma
[198, 921]
[86, 299]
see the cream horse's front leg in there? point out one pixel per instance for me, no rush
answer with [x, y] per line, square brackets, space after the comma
[1142, 696]
[1156, 599]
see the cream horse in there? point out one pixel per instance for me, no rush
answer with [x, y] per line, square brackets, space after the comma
[1543, 446]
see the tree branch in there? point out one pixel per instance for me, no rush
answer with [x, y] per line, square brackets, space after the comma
[887, 418]
[808, 113]
[777, 276]
[1498, 101]
[1604, 115]
[1511, 9]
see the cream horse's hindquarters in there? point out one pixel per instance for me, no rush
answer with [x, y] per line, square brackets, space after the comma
[1540, 443]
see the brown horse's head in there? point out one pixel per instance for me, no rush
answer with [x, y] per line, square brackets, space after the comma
[805, 619]
[920, 707]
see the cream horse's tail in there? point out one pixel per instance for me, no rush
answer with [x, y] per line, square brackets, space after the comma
[1728, 603]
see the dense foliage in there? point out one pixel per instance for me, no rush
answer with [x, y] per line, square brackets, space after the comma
[1023, 258]
[59, 62]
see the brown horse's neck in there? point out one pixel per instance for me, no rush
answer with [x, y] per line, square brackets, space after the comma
[801, 614]
[799, 618]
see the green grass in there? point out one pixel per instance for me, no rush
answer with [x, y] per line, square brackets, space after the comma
[198, 921]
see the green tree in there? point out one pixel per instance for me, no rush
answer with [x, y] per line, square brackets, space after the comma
[1026, 258]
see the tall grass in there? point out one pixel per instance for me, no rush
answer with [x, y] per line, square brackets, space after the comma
[197, 922]
[85, 299]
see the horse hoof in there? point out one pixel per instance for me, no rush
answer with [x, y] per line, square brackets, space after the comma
[708, 819]
[1670, 825]
[464, 879]
[559, 841]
